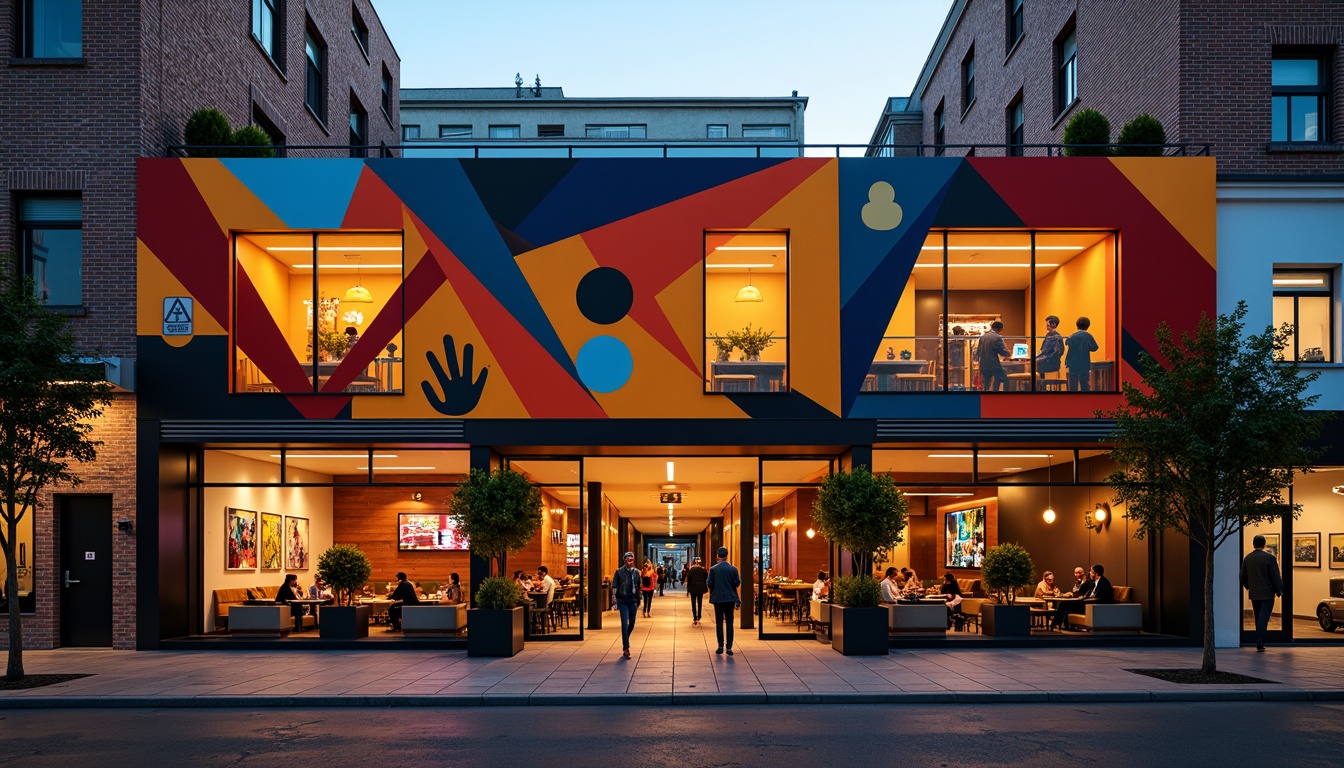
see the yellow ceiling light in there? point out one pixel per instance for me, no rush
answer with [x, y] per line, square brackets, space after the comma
[670, 472]
[748, 292]
[357, 294]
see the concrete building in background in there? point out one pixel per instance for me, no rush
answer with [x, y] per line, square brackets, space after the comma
[1261, 85]
[88, 88]
[540, 121]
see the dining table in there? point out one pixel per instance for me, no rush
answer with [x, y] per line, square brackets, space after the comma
[379, 606]
[311, 604]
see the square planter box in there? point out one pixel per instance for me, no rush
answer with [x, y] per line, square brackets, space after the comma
[343, 622]
[1005, 620]
[859, 631]
[494, 632]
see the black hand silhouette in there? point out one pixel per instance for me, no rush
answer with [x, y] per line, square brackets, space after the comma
[460, 393]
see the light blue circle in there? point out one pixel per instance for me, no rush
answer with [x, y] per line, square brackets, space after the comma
[605, 364]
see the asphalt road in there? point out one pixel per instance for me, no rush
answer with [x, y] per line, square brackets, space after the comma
[1233, 734]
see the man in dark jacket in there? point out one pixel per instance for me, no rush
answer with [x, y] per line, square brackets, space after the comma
[1102, 591]
[723, 582]
[403, 594]
[1052, 348]
[625, 598]
[697, 584]
[1262, 582]
[987, 353]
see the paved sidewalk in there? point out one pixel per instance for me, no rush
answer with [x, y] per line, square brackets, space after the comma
[673, 662]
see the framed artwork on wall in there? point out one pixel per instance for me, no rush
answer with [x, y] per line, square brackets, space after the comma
[1337, 551]
[296, 543]
[272, 536]
[1307, 550]
[1272, 545]
[240, 540]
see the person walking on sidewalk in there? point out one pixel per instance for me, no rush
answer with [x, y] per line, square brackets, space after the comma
[646, 586]
[1262, 582]
[662, 579]
[723, 582]
[697, 585]
[625, 598]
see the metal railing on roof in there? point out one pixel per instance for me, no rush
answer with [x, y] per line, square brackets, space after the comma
[699, 149]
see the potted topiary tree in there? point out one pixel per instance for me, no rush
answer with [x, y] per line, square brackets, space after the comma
[498, 512]
[1141, 137]
[1005, 569]
[251, 141]
[207, 133]
[1088, 134]
[863, 513]
[345, 569]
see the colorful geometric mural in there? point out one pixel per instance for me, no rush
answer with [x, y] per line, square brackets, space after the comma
[575, 288]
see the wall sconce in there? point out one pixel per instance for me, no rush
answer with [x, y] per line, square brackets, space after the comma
[811, 533]
[775, 523]
[417, 496]
[126, 525]
[1098, 517]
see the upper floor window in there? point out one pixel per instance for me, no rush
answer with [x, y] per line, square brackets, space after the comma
[315, 53]
[616, 131]
[555, 131]
[1015, 27]
[1305, 299]
[50, 29]
[53, 245]
[454, 131]
[716, 131]
[1300, 87]
[1016, 127]
[746, 311]
[359, 128]
[359, 29]
[765, 131]
[939, 134]
[410, 132]
[968, 80]
[1066, 74]
[387, 92]
[505, 132]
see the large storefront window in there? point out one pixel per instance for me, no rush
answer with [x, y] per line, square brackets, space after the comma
[1010, 311]
[318, 312]
[747, 312]
[1305, 299]
[23, 591]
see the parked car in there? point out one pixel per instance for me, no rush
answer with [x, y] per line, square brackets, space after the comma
[1330, 613]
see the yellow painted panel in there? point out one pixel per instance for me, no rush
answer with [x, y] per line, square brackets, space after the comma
[1182, 190]
[232, 203]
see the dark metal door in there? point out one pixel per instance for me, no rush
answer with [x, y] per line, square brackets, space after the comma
[85, 577]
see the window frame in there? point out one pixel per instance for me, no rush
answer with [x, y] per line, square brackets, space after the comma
[492, 130]
[939, 130]
[469, 131]
[1015, 24]
[603, 131]
[786, 382]
[385, 98]
[25, 47]
[781, 131]
[1016, 124]
[710, 130]
[1066, 68]
[968, 80]
[1321, 92]
[1297, 294]
[315, 73]
[405, 130]
[359, 30]
[27, 226]
[359, 128]
[548, 131]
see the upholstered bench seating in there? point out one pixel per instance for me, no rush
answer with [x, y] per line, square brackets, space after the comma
[273, 620]
[433, 620]
[927, 620]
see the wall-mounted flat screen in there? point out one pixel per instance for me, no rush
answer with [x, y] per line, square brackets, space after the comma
[965, 538]
[428, 532]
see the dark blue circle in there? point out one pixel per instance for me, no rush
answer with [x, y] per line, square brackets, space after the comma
[605, 295]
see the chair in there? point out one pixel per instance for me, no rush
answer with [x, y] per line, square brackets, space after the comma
[786, 606]
[566, 605]
[803, 604]
[541, 612]
[870, 383]
[734, 382]
[252, 379]
[921, 381]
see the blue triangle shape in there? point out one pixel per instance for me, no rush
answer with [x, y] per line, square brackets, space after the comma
[306, 193]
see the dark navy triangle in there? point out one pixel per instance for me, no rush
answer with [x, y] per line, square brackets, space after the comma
[510, 188]
[971, 202]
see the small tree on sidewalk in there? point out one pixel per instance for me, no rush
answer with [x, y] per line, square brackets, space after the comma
[47, 401]
[1208, 445]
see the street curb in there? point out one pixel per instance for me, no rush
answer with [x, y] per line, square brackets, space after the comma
[664, 699]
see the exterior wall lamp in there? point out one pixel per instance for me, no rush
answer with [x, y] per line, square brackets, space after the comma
[1098, 517]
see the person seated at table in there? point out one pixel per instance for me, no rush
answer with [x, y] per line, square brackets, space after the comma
[419, 591]
[1047, 586]
[951, 591]
[914, 589]
[890, 585]
[522, 580]
[1082, 586]
[319, 590]
[544, 582]
[821, 588]
[288, 592]
[452, 592]
[1082, 589]
[403, 594]
[1102, 591]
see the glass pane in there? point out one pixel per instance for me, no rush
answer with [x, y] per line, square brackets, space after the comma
[359, 281]
[242, 467]
[907, 359]
[1304, 120]
[795, 566]
[1007, 466]
[746, 311]
[1285, 308]
[1075, 281]
[272, 318]
[1296, 72]
[24, 591]
[56, 257]
[1313, 329]
[989, 280]
[57, 28]
[1278, 119]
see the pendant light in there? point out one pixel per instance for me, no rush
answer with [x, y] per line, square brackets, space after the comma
[1049, 513]
[748, 292]
[357, 294]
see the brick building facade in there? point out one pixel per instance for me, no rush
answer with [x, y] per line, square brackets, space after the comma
[81, 97]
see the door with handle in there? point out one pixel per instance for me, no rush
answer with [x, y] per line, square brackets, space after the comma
[86, 570]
